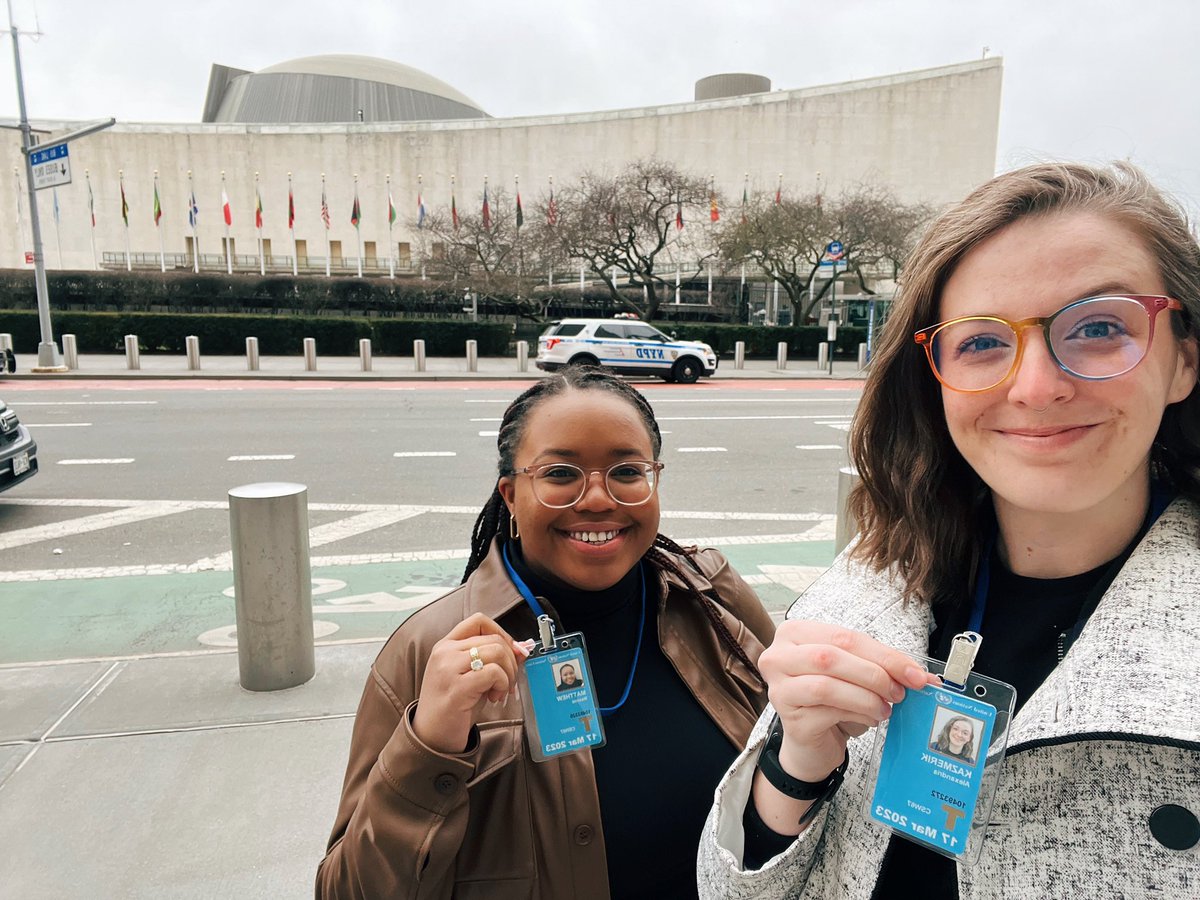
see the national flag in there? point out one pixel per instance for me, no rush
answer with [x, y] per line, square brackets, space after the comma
[520, 212]
[779, 194]
[324, 207]
[257, 209]
[453, 211]
[713, 213]
[193, 211]
[225, 208]
[552, 210]
[421, 212]
[56, 206]
[391, 210]
[745, 198]
[679, 217]
[91, 202]
[157, 206]
[355, 210]
[124, 205]
[487, 212]
[291, 209]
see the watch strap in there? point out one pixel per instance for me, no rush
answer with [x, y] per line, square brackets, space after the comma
[768, 764]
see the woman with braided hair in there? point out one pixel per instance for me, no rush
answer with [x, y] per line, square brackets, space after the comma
[442, 797]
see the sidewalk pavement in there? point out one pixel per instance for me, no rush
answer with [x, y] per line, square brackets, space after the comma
[383, 368]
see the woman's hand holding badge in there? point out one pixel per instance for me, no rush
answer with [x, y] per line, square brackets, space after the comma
[476, 663]
[827, 684]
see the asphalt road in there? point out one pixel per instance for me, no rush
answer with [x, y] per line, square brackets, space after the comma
[740, 449]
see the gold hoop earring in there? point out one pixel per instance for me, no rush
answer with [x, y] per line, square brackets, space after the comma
[512, 529]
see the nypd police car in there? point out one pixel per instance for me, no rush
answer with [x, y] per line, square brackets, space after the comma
[625, 347]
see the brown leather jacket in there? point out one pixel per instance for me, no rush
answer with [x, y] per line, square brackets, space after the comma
[490, 822]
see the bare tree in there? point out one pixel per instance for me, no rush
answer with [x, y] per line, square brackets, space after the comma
[631, 223]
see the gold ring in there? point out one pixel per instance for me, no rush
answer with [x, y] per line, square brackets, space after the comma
[476, 662]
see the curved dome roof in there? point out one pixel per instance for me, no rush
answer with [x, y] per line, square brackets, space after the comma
[334, 88]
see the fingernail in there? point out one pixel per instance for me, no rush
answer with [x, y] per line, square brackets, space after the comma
[915, 676]
[898, 693]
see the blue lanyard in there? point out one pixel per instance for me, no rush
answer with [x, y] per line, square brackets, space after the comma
[1160, 499]
[525, 592]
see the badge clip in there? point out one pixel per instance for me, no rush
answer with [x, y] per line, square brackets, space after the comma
[963, 649]
[546, 632]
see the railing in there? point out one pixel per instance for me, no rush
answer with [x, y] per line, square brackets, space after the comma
[250, 263]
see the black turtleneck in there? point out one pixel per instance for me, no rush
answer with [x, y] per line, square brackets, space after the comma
[663, 756]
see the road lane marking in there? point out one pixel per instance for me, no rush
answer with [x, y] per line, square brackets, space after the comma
[138, 513]
[497, 419]
[489, 434]
[414, 453]
[818, 446]
[58, 425]
[701, 450]
[89, 403]
[262, 457]
[94, 462]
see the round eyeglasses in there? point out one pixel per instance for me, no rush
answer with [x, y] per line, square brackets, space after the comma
[559, 485]
[1093, 339]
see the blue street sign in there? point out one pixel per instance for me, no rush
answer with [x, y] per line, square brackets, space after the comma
[834, 250]
[51, 166]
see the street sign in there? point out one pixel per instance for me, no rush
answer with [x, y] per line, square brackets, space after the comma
[51, 167]
[834, 250]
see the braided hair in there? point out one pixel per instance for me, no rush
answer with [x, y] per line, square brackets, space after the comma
[493, 520]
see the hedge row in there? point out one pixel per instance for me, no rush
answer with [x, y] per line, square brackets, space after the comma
[277, 335]
[761, 342]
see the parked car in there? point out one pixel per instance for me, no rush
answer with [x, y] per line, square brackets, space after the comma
[625, 347]
[18, 451]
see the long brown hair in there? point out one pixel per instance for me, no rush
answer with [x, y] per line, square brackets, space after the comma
[922, 510]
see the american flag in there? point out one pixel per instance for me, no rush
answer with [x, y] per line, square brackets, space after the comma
[552, 210]
[324, 208]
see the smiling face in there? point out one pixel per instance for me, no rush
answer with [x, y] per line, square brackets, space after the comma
[591, 545]
[567, 674]
[1045, 441]
[960, 733]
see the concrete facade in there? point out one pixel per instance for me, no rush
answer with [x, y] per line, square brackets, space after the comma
[931, 135]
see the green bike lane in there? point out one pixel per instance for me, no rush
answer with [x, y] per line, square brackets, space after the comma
[151, 615]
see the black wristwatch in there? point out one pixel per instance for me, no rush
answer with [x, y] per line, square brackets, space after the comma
[768, 764]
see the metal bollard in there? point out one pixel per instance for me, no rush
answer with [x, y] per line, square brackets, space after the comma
[739, 355]
[310, 354]
[472, 356]
[419, 355]
[252, 354]
[822, 356]
[5, 342]
[862, 356]
[364, 354]
[133, 356]
[847, 526]
[781, 355]
[272, 585]
[70, 351]
[522, 356]
[191, 344]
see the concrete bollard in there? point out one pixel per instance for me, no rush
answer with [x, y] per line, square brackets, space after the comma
[522, 356]
[252, 360]
[272, 585]
[191, 344]
[5, 342]
[472, 356]
[781, 355]
[364, 354]
[419, 355]
[70, 351]
[133, 356]
[847, 525]
[739, 355]
[310, 354]
[862, 357]
[822, 356]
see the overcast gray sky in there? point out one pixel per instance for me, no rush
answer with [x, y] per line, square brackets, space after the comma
[1083, 79]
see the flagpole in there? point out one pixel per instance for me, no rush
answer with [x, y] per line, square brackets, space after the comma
[581, 276]
[125, 216]
[57, 235]
[92, 215]
[520, 267]
[550, 265]
[325, 216]
[262, 263]
[162, 250]
[391, 245]
[712, 199]
[358, 227]
[292, 228]
[17, 194]
[192, 215]
[421, 221]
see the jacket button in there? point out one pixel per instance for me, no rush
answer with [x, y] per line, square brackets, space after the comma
[445, 784]
[583, 835]
[1174, 827]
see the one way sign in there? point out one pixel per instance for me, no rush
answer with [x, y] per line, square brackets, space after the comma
[51, 167]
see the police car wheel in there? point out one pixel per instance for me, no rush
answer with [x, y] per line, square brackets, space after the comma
[584, 359]
[686, 371]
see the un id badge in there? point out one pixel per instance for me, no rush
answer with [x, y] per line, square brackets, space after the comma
[937, 760]
[558, 696]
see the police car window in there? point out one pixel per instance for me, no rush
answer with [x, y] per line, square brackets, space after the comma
[567, 329]
[643, 333]
[608, 331]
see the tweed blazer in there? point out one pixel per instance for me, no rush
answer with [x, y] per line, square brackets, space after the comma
[1110, 737]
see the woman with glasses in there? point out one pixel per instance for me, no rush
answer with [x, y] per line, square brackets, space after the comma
[442, 796]
[1028, 443]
